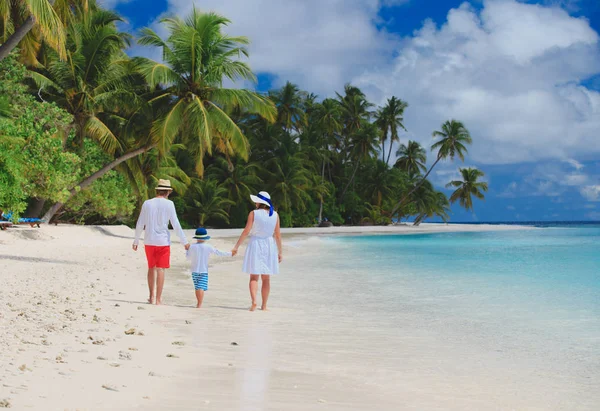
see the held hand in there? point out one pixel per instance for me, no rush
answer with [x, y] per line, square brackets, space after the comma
[134, 247]
[280, 257]
[187, 246]
[234, 252]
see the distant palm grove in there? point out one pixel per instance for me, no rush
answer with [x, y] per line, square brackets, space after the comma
[86, 130]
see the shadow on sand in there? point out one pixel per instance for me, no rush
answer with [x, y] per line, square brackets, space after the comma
[35, 259]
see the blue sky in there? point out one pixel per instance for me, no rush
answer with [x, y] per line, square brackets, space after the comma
[523, 76]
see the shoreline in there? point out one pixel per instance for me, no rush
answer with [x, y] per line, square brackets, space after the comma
[72, 294]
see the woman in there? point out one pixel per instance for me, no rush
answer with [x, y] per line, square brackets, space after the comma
[264, 252]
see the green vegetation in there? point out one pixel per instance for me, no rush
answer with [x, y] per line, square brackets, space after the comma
[86, 131]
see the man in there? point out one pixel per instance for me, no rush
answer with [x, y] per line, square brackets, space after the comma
[154, 220]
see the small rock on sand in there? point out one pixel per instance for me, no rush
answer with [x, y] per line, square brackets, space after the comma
[178, 343]
[188, 322]
[101, 358]
[109, 388]
[124, 355]
[5, 403]
[132, 349]
[130, 331]
[141, 308]
[172, 356]
[234, 343]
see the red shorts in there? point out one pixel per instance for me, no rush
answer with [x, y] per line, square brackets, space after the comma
[158, 256]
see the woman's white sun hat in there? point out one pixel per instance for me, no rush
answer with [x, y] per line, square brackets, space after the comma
[263, 198]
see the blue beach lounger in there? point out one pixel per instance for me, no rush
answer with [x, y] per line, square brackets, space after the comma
[33, 222]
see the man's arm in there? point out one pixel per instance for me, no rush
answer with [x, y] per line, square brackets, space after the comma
[177, 227]
[139, 227]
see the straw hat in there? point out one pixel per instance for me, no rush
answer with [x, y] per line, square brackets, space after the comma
[164, 185]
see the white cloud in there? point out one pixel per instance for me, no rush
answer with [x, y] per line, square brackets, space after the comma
[109, 4]
[319, 44]
[591, 193]
[576, 164]
[509, 72]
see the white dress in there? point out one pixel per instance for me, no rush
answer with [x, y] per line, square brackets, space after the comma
[262, 254]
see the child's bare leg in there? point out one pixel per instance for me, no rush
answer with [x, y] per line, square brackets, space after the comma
[253, 290]
[264, 291]
[160, 282]
[151, 284]
[199, 297]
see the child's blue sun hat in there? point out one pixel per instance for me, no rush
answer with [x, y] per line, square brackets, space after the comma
[201, 234]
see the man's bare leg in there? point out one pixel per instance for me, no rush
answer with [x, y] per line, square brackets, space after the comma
[160, 282]
[264, 291]
[253, 289]
[199, 297]
[151, 284]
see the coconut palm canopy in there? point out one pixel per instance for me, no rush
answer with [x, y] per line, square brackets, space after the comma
[104, 126]
[198, 57]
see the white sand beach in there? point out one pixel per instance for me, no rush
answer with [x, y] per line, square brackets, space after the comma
[76, 333]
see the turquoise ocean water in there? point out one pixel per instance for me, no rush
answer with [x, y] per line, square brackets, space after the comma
[546, 280]
[514, 315]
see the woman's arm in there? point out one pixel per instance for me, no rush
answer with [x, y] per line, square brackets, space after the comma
[277, 235]
[244, 233]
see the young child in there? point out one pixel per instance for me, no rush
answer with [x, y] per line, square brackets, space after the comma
[198, 255]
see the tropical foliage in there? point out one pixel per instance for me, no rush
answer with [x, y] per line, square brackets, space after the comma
[96, 129]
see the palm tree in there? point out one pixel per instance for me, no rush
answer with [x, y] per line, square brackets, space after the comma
[362, 146]
[144, 171]
[290, 111]
[411, 158]
[468, 187]
[197, 58]
[451, 143]
[92, 85]
[328, 123]
[396, 109]
[289, 181]
[240, 179]
[210, 201]
[431, 203]
[90, 82]
[354, 109]
[19, 17]
[389, 118]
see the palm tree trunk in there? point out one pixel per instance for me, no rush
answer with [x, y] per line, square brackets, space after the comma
[321, 205]
[389, 153]
[89, 180]
[401, 202]
[383, 150]
[351, 180]
[16, 38]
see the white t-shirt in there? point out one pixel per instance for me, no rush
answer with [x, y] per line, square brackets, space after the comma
[154, 221]
[198, 255]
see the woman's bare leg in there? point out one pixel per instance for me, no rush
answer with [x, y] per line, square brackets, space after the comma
[264, 291]
[253, 289]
